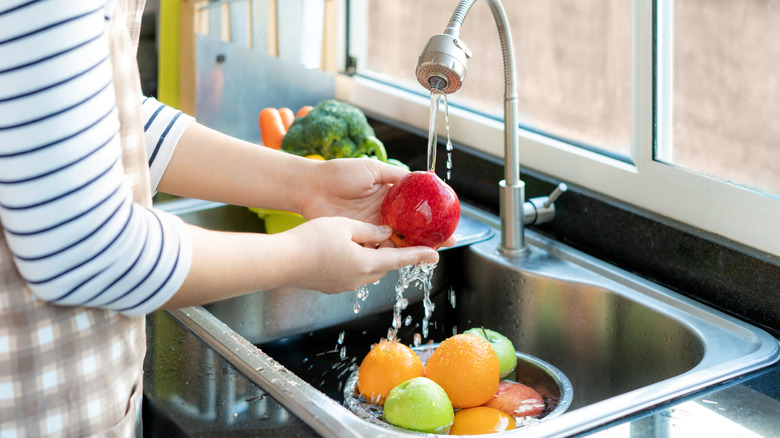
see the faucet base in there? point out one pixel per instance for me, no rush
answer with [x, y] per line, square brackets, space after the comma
[512, 198]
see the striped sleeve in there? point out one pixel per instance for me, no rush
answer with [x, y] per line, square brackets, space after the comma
[163, 126]
[66, 207]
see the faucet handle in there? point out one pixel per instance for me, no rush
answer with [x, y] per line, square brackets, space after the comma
[542, 209]
[559, 189]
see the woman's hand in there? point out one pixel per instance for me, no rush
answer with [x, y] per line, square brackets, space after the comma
[353, 188]
[348, 187]
[339, 254]
[331, 255]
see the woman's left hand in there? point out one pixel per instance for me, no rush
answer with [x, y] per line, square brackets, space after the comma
[353, 188]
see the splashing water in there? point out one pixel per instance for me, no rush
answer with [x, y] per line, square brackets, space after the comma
[361, 294]
[428, 306]
[400, 304]
[421, 275]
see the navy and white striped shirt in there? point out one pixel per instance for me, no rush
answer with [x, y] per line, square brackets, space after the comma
[67, 211]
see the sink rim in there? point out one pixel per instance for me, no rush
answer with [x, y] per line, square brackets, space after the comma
[330, 418]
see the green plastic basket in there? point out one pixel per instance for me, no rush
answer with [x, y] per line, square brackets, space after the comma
[277, 221]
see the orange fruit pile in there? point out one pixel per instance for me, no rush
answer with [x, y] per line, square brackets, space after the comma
[466, 371]
[467, 368]
[388, 364]
[481, 420]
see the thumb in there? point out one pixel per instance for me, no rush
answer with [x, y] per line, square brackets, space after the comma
[364, 232]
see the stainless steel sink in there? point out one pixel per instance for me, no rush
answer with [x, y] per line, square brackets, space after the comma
[625, 344]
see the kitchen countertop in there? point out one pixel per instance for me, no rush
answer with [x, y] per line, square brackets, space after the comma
[191, 390]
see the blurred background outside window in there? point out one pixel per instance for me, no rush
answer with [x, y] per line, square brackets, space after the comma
[574, 80]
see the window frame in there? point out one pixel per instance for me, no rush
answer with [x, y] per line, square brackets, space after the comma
[741, 215]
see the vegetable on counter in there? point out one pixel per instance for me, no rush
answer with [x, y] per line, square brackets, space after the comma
[333, 129]
[304, 111]
[272, 129]
[287, 117]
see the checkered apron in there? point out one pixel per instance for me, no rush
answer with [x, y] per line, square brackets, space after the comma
[70, 371]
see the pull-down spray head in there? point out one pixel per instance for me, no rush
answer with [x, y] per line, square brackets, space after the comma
[442, 64]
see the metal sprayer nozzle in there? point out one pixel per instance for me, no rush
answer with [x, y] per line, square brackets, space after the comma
[442, 64]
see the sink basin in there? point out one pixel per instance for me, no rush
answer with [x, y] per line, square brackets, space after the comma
[624, 343]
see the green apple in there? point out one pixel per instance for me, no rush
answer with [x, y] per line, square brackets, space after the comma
[419, 404]
[507, 359]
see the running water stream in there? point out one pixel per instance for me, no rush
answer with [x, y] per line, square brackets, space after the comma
[437, 97]
[423, 273]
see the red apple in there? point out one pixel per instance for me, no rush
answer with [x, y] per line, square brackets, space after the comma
[517, 400]
[422, 210]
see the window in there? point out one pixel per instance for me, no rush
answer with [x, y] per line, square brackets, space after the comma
[669, 106]
[725, 95]
[565, 87]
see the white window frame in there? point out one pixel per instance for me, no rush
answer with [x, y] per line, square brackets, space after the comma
[739, 214]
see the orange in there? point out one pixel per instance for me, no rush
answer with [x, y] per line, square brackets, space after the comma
[481, 420]
[467, 368]
[387, 365]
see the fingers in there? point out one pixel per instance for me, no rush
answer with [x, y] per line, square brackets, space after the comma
[386, 173]
[397, 258]
[363, 232]
[390, 258]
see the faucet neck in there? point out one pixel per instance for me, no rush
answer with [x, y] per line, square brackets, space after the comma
[512, 188]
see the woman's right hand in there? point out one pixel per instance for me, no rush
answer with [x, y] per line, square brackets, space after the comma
[339, 254]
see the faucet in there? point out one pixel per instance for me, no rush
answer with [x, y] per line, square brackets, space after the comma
[442, 66]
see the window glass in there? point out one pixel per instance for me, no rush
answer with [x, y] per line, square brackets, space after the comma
[725, 100]
[573, 59]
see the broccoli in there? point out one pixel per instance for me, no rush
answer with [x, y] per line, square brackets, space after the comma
[333, 129]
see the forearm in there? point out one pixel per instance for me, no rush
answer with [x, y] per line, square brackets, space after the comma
[210, 165]
[326, 254]
[226, 264]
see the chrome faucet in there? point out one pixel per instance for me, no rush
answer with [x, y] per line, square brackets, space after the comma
[442, 66]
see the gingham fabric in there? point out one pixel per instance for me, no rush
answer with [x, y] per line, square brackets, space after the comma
[70, 371]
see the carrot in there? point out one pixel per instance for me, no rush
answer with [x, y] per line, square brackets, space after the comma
[272, 128]
[304, 110]
[287, 117]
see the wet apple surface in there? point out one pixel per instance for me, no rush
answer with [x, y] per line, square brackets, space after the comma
[422, 210]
